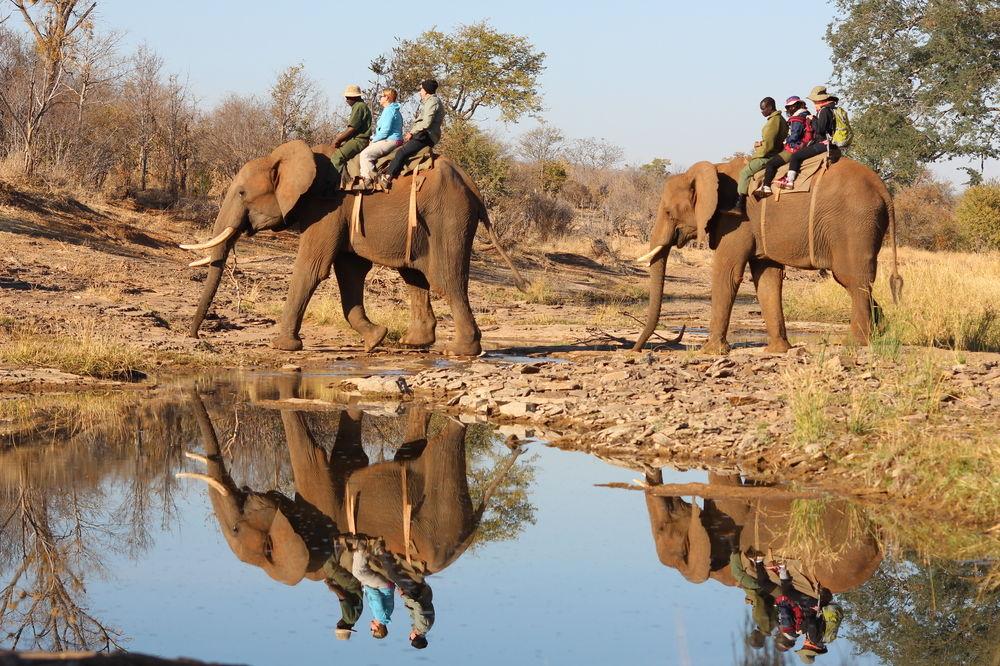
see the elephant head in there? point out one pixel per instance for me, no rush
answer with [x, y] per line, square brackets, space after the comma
[687, 205]
[256, 526]
[261, 197]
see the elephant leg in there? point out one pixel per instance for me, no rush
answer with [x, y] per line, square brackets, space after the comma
[767, 278]
[351, 271]
[415, 437]
[312, 266]
[858, 283]
[467, 333]
[727, 272]
[420, 332]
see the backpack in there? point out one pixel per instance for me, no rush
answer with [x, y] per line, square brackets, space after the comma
[832, 615]
[843, 134]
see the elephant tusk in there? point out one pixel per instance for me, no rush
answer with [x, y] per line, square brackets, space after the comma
[216, 485]
[196, 456]
[221, 238]
[648, 257]
[204, 261]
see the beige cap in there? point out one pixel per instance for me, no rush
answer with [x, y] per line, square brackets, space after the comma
[343, 634]
[352, 91]
[819, 94]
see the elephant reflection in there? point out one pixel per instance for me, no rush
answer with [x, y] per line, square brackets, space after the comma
[698, 542]
[418, 505]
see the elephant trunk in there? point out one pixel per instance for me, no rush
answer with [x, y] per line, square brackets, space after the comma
[228, 226]
[657, 270]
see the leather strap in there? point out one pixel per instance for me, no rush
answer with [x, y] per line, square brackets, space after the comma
[763, 233]
[412, 217]
[812, 215]
[356, 217]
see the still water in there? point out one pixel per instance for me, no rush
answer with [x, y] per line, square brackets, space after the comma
[509, 553]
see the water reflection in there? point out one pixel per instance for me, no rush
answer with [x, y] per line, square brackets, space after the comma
[359, 508]
[364, 528]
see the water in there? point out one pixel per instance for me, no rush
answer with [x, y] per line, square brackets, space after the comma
[555, 570]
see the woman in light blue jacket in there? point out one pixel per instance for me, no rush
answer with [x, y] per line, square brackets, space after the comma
[388, 135]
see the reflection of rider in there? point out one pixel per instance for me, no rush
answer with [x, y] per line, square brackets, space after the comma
[348, 589]
[758, 592]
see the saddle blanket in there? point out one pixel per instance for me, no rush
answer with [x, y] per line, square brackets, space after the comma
[803, 182]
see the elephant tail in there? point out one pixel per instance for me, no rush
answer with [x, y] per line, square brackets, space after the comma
[519, 281]
[895, 280]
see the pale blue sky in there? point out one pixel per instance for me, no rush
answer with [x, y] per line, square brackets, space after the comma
[661, 79]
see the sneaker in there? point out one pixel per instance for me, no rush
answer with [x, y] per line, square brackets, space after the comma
[785, 184]
[385, 182]
[762, 192]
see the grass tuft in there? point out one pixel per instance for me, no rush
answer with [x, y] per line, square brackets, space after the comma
[92, 352]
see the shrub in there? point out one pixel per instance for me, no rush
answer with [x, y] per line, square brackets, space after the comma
[924, 215]
[977, 217]
[482, 156]
[532, 213]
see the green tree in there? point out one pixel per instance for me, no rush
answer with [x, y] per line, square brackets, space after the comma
[978, 217]
[932, 63]
[475, 66]
[483, 157]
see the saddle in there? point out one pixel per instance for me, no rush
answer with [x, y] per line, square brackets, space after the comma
[350, 177]
[803, 182]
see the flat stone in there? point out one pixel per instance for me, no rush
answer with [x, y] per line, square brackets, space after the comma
[517, 408]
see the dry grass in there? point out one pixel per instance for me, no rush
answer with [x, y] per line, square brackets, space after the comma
[950, 300]
[327, 311]
[93, 351]
[894, 436]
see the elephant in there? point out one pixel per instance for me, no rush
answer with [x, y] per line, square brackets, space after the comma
[292, 189]
[697, 542]
[852, 211]
[417, 504]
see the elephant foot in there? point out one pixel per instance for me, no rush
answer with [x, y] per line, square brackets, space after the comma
[471, 348]
[715, 347]
[418, 339]
[778, 346]
[374, 336]
[287, 343]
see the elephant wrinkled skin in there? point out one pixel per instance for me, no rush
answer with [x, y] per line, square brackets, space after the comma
[292, 188]
[852, 211]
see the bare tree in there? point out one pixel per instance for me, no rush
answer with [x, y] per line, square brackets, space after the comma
[542, 143]
[594, 153]
[144, 93]
[178, 138]
[236, 131]
[295, 104]
[54, 29]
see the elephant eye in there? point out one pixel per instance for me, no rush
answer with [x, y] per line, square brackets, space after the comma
[242, 192]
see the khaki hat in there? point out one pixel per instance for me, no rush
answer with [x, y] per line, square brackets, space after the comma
[343, 634]
[352, 91]
[819, 94]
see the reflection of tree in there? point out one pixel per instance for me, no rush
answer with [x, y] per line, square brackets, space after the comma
[509, 510]
[41, 600]
[914, 613]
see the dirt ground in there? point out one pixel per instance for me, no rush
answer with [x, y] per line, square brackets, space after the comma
[111, 270]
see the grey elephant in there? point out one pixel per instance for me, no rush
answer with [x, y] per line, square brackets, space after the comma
[292, 189]
[850, 213]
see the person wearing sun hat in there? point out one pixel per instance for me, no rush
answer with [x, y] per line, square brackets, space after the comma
[824, 126]
[355, 137]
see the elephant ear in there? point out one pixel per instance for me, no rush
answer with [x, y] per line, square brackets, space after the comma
[698, 560]
[294, 172]
[705, 192]
[289, 553]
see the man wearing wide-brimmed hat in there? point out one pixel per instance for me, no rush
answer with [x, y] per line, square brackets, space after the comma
[824, 125]
[354, 139]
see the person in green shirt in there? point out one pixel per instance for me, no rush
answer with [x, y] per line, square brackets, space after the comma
[772, 137]
[354, 139]
[757, 590]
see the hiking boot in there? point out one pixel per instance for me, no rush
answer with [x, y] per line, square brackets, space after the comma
[740, 207]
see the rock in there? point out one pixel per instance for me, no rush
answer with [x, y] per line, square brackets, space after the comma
[798, 352]
[834, 364]
[518, 408]
[516, 431]
[617, 376]
[375, 384]
[291, 367]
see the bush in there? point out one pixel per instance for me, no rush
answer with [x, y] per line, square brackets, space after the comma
[924, 215]
[532, 214]
[482, 156]
[977, 217]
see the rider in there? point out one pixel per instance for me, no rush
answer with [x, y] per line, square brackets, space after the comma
[388, 135]
[352, 140]
[771, 137]
[824, 125]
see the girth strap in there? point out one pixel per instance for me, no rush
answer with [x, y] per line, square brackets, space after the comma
[411, 224]
[812, 214]
[763, 233]
[356, 217]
